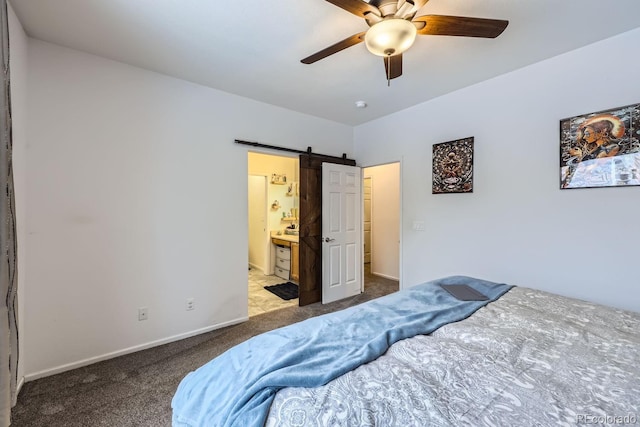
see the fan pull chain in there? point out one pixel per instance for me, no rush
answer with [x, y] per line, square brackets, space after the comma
[388, 70]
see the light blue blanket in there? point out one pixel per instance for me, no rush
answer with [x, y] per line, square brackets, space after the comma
[237, 387]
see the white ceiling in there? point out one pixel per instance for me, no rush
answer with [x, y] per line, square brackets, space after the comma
[253, 48]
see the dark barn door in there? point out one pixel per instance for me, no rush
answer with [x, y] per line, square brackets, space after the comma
[310, 283]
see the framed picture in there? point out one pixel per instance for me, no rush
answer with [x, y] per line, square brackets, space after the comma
[601, 149]
[453, 166]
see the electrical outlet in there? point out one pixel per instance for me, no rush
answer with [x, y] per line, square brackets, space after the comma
[143, 313]
[190, 304]
[418, 225]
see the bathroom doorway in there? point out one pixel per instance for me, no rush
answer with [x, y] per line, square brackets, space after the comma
[272, 205]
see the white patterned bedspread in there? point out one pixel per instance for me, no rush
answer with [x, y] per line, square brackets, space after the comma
[529, 359]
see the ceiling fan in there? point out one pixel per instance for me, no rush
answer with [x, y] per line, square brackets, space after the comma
[394, 26]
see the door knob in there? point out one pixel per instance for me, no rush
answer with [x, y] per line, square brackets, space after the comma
[327, 239]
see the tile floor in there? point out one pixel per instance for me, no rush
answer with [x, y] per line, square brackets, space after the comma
[261, 300]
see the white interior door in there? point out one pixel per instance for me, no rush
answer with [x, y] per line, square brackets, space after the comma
[341, 231]
[257, 222]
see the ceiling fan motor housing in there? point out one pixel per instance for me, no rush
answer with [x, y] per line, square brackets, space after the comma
[387, 7]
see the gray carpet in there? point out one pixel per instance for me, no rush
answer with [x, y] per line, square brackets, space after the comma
[136, 389]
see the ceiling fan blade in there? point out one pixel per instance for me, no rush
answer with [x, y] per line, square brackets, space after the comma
[441, 25]
[357, 7]
[341, 45]
[393, 66]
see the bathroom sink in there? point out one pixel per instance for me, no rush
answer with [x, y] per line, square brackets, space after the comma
[291, 232]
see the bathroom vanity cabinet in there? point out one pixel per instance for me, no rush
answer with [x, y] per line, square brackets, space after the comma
[283, 262]
[287, 256]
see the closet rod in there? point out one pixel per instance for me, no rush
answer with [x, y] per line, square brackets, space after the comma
[290, 150]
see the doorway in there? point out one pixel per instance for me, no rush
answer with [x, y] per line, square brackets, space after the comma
[381, 225]
[272, 203]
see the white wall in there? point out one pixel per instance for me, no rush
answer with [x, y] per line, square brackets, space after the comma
[137, 196]
[517, 226]
[18, 69]
[385, 219]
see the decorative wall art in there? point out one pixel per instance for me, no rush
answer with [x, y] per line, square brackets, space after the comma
[292, 189]
[453, 166]
[601, 149]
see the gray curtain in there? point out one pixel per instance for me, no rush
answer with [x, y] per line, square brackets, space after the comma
[8, 278]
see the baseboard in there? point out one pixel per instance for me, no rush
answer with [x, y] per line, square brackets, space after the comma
[384, 275]
[257, 267]
[96, 359]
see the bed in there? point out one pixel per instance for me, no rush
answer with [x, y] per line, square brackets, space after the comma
[423, 357]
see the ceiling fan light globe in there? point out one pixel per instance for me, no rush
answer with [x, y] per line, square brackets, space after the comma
[391, 35]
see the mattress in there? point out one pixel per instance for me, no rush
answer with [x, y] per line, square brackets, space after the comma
[529, 358]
